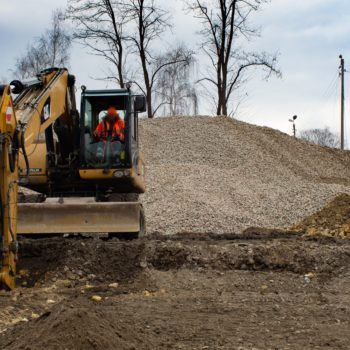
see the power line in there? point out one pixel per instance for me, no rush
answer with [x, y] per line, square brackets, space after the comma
[331, 85]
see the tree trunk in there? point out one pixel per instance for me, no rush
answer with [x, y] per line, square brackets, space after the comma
[218, 110]
[223, 90]
[218, 73]
[120, 68]
[149, 103]
[224, 109]
[148, 87]
[143, 59]
[222, 105]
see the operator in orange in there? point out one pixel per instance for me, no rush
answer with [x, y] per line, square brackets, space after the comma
[111, 127]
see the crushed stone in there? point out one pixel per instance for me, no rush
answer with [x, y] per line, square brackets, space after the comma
[218, 174]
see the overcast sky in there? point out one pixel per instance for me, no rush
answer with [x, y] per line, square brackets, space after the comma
[308, 34]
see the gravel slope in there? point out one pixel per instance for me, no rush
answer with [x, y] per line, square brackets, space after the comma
[221, 175]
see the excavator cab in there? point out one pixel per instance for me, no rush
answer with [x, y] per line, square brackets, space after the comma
[120, 158]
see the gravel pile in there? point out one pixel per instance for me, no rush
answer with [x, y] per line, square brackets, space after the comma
[221, 175]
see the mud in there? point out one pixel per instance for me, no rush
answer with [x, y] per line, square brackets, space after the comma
[257, 290]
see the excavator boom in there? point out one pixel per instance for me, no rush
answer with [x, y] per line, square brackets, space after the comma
[8, 189]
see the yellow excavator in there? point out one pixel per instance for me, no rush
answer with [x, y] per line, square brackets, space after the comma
[46, 145]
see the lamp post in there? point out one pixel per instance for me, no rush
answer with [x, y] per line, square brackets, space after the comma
[293, 121]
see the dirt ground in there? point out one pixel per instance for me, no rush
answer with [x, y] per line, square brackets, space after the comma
[258, 290]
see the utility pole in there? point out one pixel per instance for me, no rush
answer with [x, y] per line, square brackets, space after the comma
[341, 73]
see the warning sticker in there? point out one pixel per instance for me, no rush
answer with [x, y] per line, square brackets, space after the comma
[9, 112]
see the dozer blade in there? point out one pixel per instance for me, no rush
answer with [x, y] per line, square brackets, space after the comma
[78, 215]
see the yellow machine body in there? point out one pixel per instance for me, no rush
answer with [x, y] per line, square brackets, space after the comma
[48, 147]
[8, 190]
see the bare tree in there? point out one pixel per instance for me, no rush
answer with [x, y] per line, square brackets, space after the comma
[323, 137]
[49, 50]
[149, 22]
[175, 93]
[99, 25]
[225, 23]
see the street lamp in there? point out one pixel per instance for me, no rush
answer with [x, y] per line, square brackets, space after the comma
[293, 121]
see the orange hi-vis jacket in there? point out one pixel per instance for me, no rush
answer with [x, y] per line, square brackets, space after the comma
[105, 129]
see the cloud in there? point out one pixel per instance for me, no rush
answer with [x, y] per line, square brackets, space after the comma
[28, 14]
[333, 31]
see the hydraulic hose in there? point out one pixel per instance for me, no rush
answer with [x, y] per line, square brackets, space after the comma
[24, 152]
[12, 155]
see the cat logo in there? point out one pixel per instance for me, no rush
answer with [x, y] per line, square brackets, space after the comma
[35, 170]
[31, 170]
